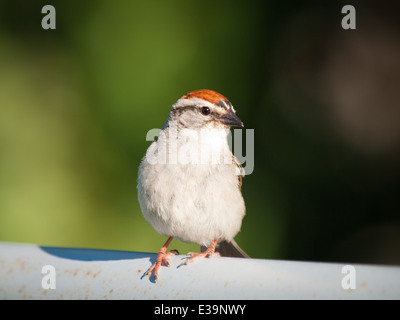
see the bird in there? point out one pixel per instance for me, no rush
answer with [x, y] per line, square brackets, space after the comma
[189, 181]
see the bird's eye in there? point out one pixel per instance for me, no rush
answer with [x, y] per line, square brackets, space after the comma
[205, 111]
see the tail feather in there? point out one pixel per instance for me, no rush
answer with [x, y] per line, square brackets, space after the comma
[228, 249]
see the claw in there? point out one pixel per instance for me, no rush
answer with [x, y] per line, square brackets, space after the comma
[210, 252]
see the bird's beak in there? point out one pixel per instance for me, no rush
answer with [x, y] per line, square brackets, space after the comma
[231, 119]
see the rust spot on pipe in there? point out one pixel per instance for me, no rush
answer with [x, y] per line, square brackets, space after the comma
[22, 289]
[96, 274]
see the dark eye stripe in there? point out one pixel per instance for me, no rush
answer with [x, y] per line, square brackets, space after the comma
[181, 109]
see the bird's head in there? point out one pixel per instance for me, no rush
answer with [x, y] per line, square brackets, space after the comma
[204, 109]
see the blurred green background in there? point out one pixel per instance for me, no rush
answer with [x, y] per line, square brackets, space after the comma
[76, 104]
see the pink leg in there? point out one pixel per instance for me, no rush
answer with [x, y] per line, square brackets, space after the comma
[162, 257]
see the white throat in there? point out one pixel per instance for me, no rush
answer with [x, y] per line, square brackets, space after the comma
[192, 146]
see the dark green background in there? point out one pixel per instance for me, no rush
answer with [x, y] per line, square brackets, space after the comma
[76, 104]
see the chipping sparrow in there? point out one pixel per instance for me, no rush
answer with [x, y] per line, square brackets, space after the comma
[189, 183]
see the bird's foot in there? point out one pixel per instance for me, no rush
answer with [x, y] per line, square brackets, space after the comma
[196, 256]
[210, 252]
[161, 258]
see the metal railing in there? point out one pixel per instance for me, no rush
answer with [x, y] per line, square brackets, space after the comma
[35, 272]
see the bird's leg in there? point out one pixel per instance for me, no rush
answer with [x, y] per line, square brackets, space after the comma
[162, 257]
[210, 252]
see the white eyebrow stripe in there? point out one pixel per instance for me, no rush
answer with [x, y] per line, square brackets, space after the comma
[193, 101]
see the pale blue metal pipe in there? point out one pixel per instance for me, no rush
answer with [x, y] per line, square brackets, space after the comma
[103, 274]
